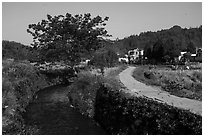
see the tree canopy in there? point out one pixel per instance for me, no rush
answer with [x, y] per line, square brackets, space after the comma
[67, 37]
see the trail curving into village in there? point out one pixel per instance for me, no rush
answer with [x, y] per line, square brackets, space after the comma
[137, 88]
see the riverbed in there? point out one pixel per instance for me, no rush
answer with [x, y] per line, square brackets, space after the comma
[51, 114]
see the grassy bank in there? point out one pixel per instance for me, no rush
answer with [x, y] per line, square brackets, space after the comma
[182, 83]
[20, 82]
[82, 92]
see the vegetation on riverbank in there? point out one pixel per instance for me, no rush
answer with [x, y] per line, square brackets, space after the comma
[20, 81]
[123, 114]
[182, 83]
[119, 113]
[82, 92]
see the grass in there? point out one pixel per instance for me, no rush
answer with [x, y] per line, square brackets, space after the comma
[182, 83]
[82, 92]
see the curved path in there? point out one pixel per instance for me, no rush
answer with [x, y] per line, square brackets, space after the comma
[140, 89]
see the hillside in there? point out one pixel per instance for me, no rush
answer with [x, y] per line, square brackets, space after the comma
[17, 51]
[181, 37]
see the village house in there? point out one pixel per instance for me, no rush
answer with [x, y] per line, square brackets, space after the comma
[135, 54]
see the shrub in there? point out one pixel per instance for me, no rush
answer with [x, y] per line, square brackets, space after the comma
[197, 75]
[82, 92]
[172, 85]
[59, 76]
[19, 83]
[149, 75]
[137, 115]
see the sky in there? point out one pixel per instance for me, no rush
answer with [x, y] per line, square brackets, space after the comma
[125, 18]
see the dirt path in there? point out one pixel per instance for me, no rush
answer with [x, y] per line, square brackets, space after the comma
[52, 115]
[140, 89]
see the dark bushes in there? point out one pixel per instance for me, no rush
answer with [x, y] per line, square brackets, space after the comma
[104, 58]
[59, 76]
[136, 115]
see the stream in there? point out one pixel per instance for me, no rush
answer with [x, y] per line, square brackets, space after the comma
[51, 113]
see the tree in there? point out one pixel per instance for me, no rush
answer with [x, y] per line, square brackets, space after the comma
[104, 58]
[158, 51]
[191, 48]
[171, 49]
[67, 37]
[148, 51]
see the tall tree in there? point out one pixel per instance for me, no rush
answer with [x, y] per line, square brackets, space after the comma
[68, 36]
[171, 49]
[158, 51]
[191, 48]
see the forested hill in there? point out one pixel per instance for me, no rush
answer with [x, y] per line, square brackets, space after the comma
[17, 51]
[180, 37]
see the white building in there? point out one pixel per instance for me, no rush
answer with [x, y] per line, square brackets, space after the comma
[135, 54]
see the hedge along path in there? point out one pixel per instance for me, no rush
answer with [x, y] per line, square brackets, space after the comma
[137, 88]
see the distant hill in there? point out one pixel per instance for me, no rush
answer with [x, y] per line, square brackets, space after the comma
[180, 36]
[17, 51]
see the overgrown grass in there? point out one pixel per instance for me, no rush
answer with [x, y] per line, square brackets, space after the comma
[83, 91]
[182, 83]
[20, 81]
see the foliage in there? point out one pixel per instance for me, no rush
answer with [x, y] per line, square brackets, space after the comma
[67, 37]
[172, 86]
[104, 58]
[171, 49]
[158, 51]
[137, 115]
[191, 48]
[59, 76]
[82, 92]
[20, 81]
[18, 51]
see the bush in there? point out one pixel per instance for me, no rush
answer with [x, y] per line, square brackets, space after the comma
[137, 115]
[82, 92]
[197, 76]
[59, 76]
[172, 85]
[149, 75]
[19, 83]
